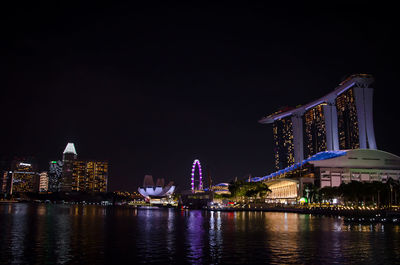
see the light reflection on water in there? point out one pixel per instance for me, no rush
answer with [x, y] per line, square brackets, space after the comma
[63, 234]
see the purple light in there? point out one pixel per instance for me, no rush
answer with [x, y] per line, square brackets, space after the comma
[197, 162]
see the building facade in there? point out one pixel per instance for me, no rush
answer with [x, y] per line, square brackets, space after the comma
[331, 169]
[82, 176]
[24, 178]
[55, 175]
[315, 131]
[283, 142]
[6, 182]
[347, 120]
[340, 120]
[43, 182]
[69, 157]
[90, 176]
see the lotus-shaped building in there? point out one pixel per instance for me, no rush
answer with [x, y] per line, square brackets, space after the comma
[158, 190]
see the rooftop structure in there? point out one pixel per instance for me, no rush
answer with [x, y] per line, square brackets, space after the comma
[70, 149]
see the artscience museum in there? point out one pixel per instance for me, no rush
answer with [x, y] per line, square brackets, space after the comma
[158, 190]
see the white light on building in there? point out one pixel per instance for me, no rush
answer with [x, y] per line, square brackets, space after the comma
[43, 182]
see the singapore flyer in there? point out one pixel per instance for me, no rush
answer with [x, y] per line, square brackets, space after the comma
[200, 187]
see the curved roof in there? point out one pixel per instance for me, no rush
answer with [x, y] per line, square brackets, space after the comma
[222, 185]
[317, 157]
[359, 79]
[156, 191]
[362, 158]
[355, 158]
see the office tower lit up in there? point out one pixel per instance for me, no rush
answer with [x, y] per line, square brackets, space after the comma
[69, 157]
[81, 175]
[24, 177]
[43, 182]
[55, 175]
[90, 176]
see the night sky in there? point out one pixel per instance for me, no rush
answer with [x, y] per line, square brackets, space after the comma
[151, 88]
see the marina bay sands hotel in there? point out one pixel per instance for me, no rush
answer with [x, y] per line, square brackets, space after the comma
[339, 120]
[327, 142]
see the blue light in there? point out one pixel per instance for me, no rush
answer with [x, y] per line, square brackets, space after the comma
[317, 157]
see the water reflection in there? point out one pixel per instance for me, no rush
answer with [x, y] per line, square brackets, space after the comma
[171, 232]
[215, 237]
[63, 234]
[62, 226]
[195, 236]
[18, 232]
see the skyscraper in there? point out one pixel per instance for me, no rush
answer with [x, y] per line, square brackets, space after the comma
[24, 177]
[55, 175]
[79, 179]
[347, 120]
[69, 157]
[315, 131]
[283, 142]
[340, 120]
[6, 182]
[97, 176]
[43, 182]
[90, 176]
[83, 176]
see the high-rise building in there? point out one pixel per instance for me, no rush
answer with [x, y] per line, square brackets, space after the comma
[5, 175]
[97, 175]
[340, 120]
[6, 182]
[283, 143]
[83, 176]
[315, 131]
[55, 175]
[24, 177]
[69, 157]
[79, 176]
[90, 176]
[43, 182]
[347, 120]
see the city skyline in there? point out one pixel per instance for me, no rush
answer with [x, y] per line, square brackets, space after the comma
[159, 87]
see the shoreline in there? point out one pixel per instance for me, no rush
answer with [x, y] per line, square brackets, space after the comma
[352, 215]
[358, 216]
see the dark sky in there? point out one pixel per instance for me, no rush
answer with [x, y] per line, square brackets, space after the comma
[151, 88]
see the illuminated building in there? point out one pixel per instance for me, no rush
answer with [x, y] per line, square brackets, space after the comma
[6, 181]
[69, 157]
[340, 120]
[315, 131]
[43, 182]
[347, 120]
[149, 190]
[331, 169]
[79, 177]
[90, 176]
[5, 175]
[98, 175]
[83, 176]
[283, 142]
[221, 188]
[55, 175]
[24, 177]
